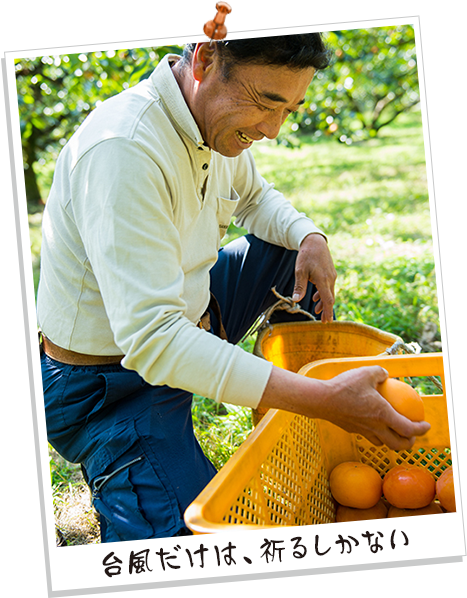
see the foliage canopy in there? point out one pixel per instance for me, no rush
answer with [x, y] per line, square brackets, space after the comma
[56, 93]
[373, 79]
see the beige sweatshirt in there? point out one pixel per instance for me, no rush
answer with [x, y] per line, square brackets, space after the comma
[129, 238]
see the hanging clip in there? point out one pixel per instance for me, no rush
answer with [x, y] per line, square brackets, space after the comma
[216, 28]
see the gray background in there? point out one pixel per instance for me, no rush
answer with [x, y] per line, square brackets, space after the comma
[442, 83]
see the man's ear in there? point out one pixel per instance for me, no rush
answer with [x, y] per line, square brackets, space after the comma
[203, 60]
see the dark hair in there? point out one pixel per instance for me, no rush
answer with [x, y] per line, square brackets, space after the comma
[295, 51]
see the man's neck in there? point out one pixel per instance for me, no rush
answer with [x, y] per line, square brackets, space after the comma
[182, 77]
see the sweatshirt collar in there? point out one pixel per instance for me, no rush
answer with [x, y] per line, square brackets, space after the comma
[169, 92]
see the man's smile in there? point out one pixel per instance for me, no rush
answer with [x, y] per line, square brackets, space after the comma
[248, 106]
[244, 138]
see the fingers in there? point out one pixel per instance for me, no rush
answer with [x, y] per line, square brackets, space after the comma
[397, 443]
[407, 429]
[400, 432]
[301, 284]
[380, 374]
[325, 306]
[324, 282]
[360, 409]
[373, 374]
[373, 439]
[324, 295]
[314, 263]
[398, 440]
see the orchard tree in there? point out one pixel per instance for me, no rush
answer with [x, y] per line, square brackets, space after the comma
[56, 93]
[372, 80]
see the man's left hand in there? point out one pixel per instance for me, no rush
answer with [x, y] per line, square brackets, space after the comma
[314, 264]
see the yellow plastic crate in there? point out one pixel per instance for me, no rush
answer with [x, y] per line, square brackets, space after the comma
[279, 476]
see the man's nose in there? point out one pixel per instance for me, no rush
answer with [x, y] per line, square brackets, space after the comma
[270, 126]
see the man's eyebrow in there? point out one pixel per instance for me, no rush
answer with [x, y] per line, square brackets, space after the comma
[275, 97]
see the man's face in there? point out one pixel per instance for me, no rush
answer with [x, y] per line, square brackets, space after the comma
[251, 104]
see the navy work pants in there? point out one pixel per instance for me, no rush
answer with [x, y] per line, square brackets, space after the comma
[135, 441]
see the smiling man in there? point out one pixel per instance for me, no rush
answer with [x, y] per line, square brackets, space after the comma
[139, 305]
[235, 107]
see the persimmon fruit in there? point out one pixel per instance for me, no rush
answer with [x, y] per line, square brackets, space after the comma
[403, 398]
[409, 487]
[354, 484]
[445, 490]
[379, 511]
[432, 509]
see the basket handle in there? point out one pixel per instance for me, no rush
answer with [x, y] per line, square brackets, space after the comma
[283, 303]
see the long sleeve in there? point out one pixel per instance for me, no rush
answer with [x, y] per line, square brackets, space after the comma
[132, 227]
[134, 252]
[265, 212]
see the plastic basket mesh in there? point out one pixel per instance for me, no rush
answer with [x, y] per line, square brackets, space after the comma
[435, 460]
[291, 487]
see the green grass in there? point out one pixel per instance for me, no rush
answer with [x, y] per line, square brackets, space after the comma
[371, 199]
[76, 521]
[220, 429]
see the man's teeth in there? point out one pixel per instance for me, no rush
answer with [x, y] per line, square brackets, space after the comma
[244, 138]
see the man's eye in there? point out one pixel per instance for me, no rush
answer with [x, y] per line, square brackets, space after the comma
[267, 108]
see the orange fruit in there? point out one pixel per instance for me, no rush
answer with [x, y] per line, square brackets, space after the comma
[354, 484]
[445, 490]
[409, 487]
[403, 398]
[432, 509]
[379, 511]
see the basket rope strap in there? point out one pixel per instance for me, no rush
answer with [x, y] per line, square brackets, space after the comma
[287, 304]
[283, 303]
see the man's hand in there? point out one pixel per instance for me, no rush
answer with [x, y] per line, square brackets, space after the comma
[349, 400]
[355, 405]
[314, 263]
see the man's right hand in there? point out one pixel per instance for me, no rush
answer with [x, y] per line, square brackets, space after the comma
[355, 405]
[349, 400]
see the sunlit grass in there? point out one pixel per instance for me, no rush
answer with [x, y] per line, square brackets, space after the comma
[220, 430]
[371, 199]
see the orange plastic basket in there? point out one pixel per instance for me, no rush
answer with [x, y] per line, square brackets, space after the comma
[293, 345]
[279, 476]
